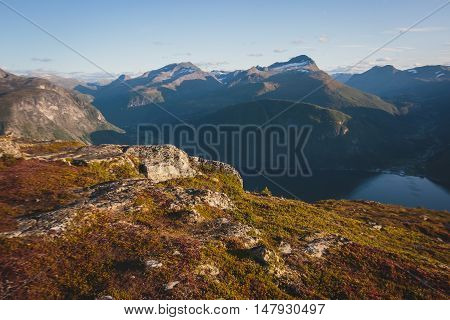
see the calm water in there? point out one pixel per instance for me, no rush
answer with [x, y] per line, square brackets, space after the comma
[391, 188]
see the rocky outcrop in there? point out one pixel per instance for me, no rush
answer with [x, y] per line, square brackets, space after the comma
[161, 163]
[189, 198]
[235, 234]
[217, 165]
[157, 163]
[118, 196]
[319, 244]
[9, 147]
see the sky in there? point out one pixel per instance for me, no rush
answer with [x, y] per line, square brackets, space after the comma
[136, 36]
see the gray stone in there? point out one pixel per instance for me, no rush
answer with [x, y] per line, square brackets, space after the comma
[285, 248]
[171, 285]
[151, 263]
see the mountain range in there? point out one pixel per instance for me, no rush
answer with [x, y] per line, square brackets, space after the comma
[382, 118]
[186, 91]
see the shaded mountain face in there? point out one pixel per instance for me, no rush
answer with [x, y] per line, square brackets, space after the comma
[186, 91]
[415, 84]
[423, 94]
[352, 138]
[38, 109]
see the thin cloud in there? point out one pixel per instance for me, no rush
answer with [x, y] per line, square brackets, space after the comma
[352, 46]
[45, 60]
[384, 59]
[279, 50]
[255, 54]
[421, 29]
[396, 49]
[361, 67]
[212, 64]
[306, 48]
[183, 54]
[297, 42]
[424, 29]
[323, 39]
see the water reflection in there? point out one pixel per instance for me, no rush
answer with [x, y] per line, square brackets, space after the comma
[409, 191]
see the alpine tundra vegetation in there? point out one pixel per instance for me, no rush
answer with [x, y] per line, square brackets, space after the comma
[91, 222]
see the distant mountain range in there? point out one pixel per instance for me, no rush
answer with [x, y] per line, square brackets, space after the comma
[418, 83]
[185, 90]
[37, 109]
[342, 77]
[383, 118]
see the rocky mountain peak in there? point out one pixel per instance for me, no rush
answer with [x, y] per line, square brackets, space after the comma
[387, 68]
[301, 62]
[302, 59]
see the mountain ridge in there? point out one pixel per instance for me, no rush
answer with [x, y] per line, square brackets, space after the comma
[185, 90]
[38, 109]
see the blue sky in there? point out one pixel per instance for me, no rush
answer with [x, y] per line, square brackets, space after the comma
[135, 36]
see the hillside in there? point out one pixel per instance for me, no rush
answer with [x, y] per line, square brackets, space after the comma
[351, 138]
[120, 222]
[35, 108]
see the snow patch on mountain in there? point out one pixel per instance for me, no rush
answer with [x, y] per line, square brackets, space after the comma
[293, 67]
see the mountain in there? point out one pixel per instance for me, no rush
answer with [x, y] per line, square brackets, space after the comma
[187, 91]
[415, 84]
[299, 79]
[341, 139]
[341, 77]
[35, 108]
[130, 100]
[150, 222]
[67, 80]
[422, 94]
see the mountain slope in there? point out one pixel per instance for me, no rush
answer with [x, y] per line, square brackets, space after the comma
[105, 230]
[351, 138]
[37, 109]
[127, 101]
[186, 91]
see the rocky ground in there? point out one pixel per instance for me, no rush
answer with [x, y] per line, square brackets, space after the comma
[130, 222]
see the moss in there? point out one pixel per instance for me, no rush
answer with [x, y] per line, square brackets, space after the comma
[217, 181]
[7, 160]
[112, 170]
[103, 252]
[239, 278]
[50, 147]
